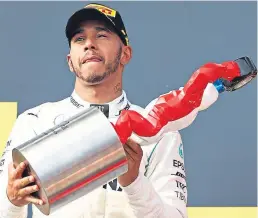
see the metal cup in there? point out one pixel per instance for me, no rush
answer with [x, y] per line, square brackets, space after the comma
[72, 159]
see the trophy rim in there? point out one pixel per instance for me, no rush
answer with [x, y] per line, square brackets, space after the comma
[18, 157]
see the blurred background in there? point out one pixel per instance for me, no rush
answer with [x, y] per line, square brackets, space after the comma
[170, 41]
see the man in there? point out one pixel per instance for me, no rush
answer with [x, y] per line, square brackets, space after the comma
[155, 184]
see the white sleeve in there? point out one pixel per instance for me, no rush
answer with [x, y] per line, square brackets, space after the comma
[21, 132]
[162, 191]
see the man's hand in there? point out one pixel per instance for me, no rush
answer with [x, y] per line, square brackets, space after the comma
[17, 191]
[134, 156]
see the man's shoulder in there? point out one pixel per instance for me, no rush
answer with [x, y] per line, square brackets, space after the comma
[136, 108]
[45, 108]
[165, 142]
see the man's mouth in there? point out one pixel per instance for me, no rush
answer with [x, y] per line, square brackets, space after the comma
[91, 59]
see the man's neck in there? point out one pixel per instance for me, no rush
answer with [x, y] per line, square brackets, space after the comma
[99, 94]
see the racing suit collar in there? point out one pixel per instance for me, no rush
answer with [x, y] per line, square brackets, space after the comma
[110, 109]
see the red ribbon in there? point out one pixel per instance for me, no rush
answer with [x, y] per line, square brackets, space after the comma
[176, 104]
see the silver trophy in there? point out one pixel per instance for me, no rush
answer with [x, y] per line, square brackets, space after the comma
[72, 159]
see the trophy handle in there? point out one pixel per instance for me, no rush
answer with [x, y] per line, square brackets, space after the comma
[248, 73]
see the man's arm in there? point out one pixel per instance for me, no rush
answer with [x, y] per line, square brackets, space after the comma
[21, 132]
[161, 192]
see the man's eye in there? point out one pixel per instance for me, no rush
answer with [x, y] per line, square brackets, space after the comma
[101, 36]
[79, 39]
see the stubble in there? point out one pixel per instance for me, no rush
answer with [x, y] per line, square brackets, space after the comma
[96, 77]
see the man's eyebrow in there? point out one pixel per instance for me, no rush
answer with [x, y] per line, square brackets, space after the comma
[98, 28]
[77, 31]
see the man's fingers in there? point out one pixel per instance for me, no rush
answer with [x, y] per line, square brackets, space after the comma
[129, 153]
[27, 190]
[33, 200]
[21, 183]
[133, 146]
[19, 170]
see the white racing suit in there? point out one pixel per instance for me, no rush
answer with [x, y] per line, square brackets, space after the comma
[160, 191]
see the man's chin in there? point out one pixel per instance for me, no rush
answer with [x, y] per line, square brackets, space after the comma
[94, 79]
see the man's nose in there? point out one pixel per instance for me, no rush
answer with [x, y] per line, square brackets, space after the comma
[89, 44]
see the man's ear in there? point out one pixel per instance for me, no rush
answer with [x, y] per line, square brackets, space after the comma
[69, 62]
[126, 55]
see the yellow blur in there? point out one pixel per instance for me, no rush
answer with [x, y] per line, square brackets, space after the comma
[222, 212]
[8, 115]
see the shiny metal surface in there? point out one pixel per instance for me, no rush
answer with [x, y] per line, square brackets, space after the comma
[73, 158]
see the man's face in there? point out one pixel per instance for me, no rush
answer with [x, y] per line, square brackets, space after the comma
[95, 52]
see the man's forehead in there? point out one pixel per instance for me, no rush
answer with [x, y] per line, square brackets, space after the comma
[95, 24]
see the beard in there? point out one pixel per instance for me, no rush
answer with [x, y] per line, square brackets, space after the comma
[97, 77]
